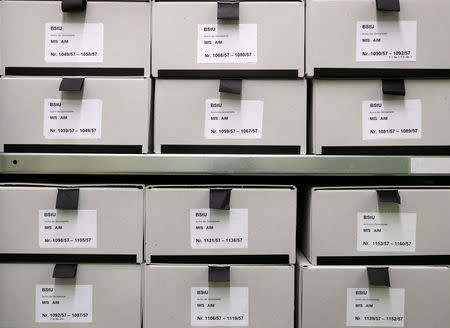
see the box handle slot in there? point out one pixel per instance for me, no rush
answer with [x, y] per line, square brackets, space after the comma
[394, 87]
[69, 84]
[231, 86]
[67, 199]
[388, 5]
[73, 5]
[379, 276]
[65, 270]
[218, 273]
[228, 10]
[388, 196]
[219, 199]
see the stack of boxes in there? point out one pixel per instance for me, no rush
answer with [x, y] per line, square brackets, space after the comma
[229, 77]
[368, 242]
[75, 76]
[71, 255]
[226, 78]
[246, 232]
[380, 74]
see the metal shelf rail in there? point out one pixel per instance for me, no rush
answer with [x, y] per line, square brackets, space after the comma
[151, 164]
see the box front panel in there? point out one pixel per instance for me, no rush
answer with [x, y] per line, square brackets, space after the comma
[356, 223]
[269, 296]
[350, 36]
[270, 35]
[373, 119]
[112, 289]
[95, 39]
[266, 228]
[253, 118]
[108, 221]
[419, 293]
[114, 113]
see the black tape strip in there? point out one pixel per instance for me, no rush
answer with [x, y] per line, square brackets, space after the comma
[232, 86]
[218, 273]
[379, 276]
[380, 73]
[71, 84]
[232, 73]
[65, 271]
[67, 199]
[388, 5]
[219, 199]
[227, 149]
[73, 5]
[79, 258]
[386, 150]
[228, 10]
[385, 260]
[389, 196]
[101, 149]
[73, 71]
[394, 87]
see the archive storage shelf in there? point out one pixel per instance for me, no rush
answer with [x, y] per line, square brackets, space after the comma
[294, 165]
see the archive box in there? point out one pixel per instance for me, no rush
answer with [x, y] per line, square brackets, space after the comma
[75, 37]
[376, 221]
[216, 39]
[251, 221]
[249, 117]
[201, 295]
[362, 38]
[99, 115]
[381, 117]
[359, 296]
[70, 295]
[77, 219]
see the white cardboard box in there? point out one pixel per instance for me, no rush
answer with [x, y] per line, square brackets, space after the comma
[106, 39]
[358, 222]
[341, 296]
[255, 296]
[109, 115]
[190, 41]
[351, 38]
[100, 295]
[261, 222]
[355, 117]
[108, 220]
[192, 116]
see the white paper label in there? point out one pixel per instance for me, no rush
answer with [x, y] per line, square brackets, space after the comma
[227, 43]
[382, 41]
[68, 228]
[219, 306]
[72, 118]
[376, 307]
[392, 119]
[386, 232]
[233, 119]
[212, 228]
[74, 42]
[64, 303]
[433, 165]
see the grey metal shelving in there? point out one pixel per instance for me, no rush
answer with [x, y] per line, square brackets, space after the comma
[152, 164]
